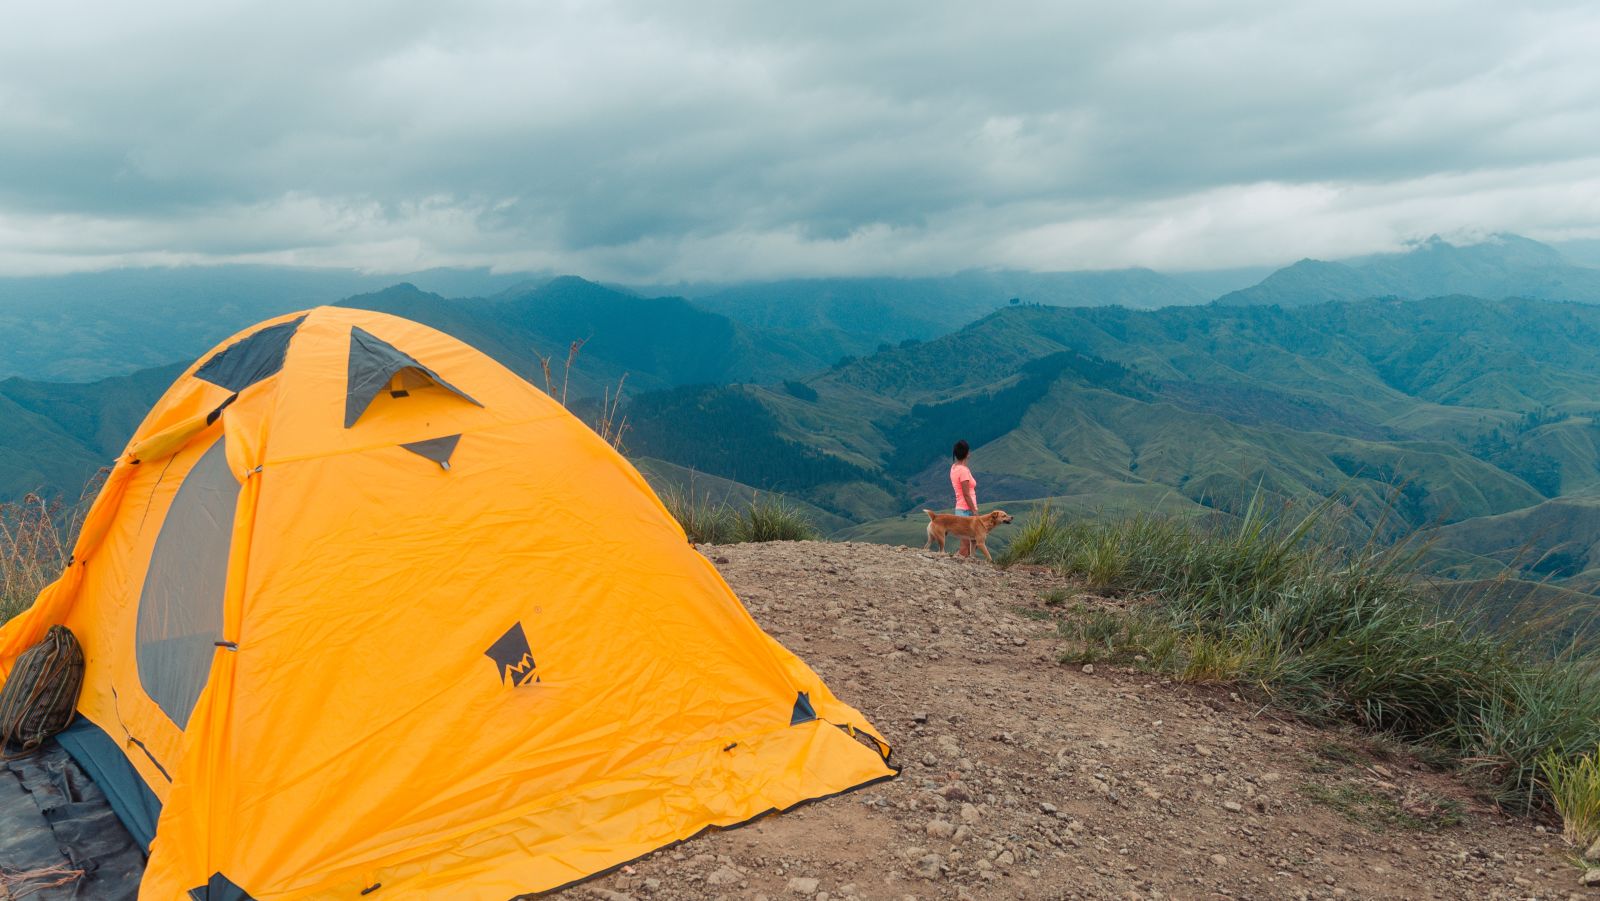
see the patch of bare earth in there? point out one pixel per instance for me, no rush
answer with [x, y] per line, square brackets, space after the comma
[1027, 778]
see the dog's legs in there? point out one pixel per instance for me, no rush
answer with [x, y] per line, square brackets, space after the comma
[983, 546]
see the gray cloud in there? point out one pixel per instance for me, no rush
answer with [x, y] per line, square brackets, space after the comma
[721, 140]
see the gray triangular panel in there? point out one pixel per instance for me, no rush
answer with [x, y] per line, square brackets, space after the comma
[373, 362]
[251, 358]
[436, 449]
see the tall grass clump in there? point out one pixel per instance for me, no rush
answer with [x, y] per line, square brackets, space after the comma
[771, 518]
[704, 519]
[1340, 631]
[708, 520]
[1575, 788]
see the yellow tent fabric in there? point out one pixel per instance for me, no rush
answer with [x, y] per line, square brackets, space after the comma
[368, 613]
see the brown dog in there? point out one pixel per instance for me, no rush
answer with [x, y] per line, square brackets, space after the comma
[972, 528]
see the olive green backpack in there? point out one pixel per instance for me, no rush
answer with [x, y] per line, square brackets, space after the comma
[41, 696]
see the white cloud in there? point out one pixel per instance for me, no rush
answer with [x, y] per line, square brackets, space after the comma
[654, 141]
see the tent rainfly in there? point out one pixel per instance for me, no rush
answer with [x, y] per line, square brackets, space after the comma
[366, 614]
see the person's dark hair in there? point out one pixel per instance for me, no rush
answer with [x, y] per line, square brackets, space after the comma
[960, 451]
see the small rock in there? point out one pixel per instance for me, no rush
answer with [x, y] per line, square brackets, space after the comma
[1232, 807]
[1591, 877]
[940, 829]
[970, 814]
[721, 561]
[1005, 858]
[1594, 851]
[930, 760]
[1220, 860]
[1047, 807]
[1088, 669]
[1202, 750]
[930, 866]
[1019, 641]
[921, 716]
[804, 885]
[956, 792]
[724, 875]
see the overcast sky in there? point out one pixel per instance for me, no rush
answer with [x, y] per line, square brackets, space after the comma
[660, 141]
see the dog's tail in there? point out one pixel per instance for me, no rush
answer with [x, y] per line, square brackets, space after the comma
[930, 513]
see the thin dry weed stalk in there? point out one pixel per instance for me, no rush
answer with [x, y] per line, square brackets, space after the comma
[611, 424]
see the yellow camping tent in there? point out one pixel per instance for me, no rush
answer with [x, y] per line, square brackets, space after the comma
[367, 614]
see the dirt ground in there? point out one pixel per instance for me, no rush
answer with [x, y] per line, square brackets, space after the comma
[1027, 778]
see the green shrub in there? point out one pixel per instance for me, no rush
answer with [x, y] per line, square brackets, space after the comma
[707, 520]
[1055, 597]
[771, 518]
[1340, 632]
[1574, 784]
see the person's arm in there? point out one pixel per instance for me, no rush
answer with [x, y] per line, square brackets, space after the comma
[966, 491]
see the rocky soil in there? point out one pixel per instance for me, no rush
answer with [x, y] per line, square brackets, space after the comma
[1027, 778]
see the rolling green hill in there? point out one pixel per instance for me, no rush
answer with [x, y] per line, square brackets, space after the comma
[1414, 414]
[54, 436]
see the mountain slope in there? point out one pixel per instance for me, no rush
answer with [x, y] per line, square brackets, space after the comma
[1412, 405]
[658, 342]
[865, 312]
[54, 436]
[1502, 266]
[90, 325]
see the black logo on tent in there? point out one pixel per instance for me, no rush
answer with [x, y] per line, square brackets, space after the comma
[513, 657]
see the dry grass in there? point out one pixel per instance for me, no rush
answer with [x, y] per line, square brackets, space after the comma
[36, 538]
[32, 550]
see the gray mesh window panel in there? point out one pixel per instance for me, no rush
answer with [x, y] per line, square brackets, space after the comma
[180, 607]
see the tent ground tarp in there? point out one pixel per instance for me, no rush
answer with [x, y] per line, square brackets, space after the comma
[57, 824]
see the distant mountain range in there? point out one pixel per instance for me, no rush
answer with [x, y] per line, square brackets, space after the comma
[871, 310]
[1473, 419]
[1503, 266]
[92, 325]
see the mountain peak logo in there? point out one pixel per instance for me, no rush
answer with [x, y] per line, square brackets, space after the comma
[513, 657]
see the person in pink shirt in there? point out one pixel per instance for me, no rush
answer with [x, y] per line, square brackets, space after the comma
[966, 488]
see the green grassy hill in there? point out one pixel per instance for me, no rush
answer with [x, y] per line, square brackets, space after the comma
[54, 436]
[1413, 414]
